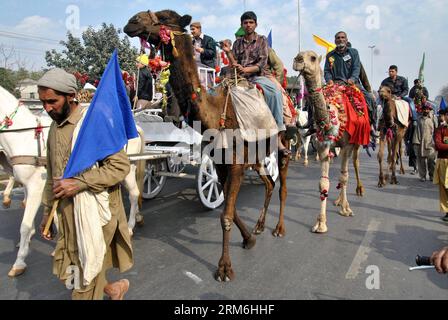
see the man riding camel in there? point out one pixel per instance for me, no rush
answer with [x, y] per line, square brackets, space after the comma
[343, 66]
[250, 57]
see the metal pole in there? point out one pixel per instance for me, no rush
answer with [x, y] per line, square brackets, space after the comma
[299, 28]
[371, 63]
[301, 82]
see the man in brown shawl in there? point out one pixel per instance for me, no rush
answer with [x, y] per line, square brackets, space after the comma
[57, 91]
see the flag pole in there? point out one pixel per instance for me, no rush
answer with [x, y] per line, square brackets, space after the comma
[51, 218]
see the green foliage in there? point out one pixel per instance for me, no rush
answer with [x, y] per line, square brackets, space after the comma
[90, 55]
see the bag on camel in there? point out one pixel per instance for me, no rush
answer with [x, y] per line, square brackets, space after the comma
[254, 117]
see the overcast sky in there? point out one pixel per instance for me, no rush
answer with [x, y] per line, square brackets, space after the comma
[401, 30]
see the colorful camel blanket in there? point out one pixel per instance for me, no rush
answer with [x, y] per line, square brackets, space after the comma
[348, 112]
[403, 112]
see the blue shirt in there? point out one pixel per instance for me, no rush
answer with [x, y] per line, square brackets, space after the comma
[343, 66]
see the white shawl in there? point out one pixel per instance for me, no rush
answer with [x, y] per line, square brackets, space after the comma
[91, 213]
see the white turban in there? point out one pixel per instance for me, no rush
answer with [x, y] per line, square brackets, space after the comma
[59, 80]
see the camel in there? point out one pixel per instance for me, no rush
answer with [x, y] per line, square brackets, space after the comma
[208, 108]
[308, 64]
[392, 134]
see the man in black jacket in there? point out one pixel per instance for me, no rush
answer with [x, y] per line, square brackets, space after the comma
[205, 53]
[145, 88]
[398, 84]
[415, 90]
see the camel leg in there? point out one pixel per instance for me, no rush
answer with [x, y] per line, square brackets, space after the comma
[34, 187]
[134, 193]
[402, 171]
[324, 186]
[232, 186]
[381, 178]
[7, 192]
[359, 187]
[306, 145]
[280, 230]
[343, 181]
[393, 165]
[269, 189]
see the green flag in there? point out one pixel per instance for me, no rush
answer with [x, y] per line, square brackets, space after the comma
[421, 75]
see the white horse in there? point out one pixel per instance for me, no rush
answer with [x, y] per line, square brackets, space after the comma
[302, 121]
[20, 144]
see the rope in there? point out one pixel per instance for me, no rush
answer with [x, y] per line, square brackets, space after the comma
[7, 122]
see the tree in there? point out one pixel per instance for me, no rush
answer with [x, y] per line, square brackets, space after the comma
[8, 80]
[90, 55]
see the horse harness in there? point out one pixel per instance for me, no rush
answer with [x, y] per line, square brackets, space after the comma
[39, 160]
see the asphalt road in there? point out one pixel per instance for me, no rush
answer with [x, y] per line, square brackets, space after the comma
[178, 248]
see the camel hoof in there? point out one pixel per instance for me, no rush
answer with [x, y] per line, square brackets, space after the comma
[346, 213]
[279, 232]
[319, 229]
[360, 191]
[337, 203]
[259, 228]
[249, 243]
[306, 163]
[139, 219]
[16, 272]
[7, 204]
[224, 274]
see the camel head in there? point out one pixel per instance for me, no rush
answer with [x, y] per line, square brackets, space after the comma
[146, 24]
[308, 64]
[389, 108]
[385, 93]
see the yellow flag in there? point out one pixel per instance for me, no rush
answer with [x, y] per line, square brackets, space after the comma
[324, 43]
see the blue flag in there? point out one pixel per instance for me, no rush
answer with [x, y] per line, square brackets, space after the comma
[442, 104]
[270, 39]
[108, 124]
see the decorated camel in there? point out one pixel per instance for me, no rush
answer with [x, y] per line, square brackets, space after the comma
[393, 125]
[341, 116]
[166, 31]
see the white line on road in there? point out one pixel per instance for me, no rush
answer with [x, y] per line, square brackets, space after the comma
[193, 277]
[363, 250]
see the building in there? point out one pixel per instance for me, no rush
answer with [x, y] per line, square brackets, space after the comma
[29, 95]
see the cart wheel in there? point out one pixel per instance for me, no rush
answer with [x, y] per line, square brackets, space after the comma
[295, 140]
[153, 183]
[209, 189]
[272, 166]
[175, 164]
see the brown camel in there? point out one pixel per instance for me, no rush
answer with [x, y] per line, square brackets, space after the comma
[197, 104]
[392, 134]
[308, 64]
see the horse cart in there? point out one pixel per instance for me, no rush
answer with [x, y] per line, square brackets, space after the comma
[172, 149]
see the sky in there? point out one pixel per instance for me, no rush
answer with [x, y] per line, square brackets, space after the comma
[400, 30]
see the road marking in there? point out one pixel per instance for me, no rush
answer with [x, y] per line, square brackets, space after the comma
[363, 250]
[193, 277]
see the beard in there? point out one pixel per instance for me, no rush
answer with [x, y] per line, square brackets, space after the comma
[59, 117]
[341, 46]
